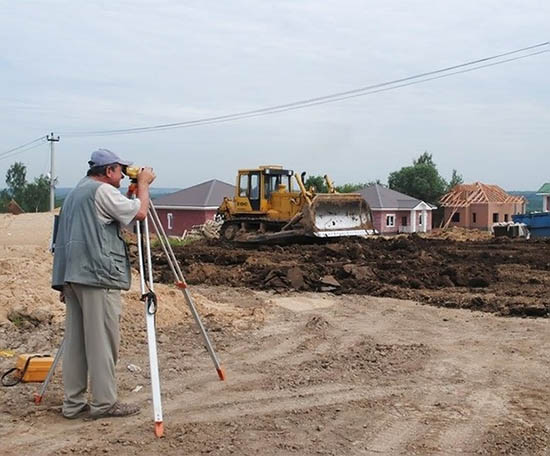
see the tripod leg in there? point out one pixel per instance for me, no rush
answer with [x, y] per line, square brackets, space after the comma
[38, 396]
[207, 343]
[150, 310]
[180, 282]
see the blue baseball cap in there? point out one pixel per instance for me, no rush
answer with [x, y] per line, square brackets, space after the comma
[102, 157]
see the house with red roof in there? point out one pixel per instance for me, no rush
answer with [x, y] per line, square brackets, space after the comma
[181, 210]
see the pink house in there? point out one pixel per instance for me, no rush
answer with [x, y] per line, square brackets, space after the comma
[395, 212]
[191, 206]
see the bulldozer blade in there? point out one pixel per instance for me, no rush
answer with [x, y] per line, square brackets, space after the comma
[336, 215]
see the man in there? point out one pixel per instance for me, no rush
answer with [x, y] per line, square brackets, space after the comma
[90, 267]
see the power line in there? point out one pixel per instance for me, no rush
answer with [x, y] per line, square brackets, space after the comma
[362, 91]
[293, 108]
[21, 151]
[22, 148]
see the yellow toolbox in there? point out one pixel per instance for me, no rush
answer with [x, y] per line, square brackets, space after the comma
[29, 368]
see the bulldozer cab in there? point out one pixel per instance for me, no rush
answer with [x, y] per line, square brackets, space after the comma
[255, 187]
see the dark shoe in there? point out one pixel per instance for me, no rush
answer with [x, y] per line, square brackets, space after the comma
[119, 410]
[83, 411]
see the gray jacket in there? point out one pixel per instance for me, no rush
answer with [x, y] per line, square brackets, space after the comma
[87, 251]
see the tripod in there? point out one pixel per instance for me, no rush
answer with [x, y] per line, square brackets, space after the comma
[148, 296]
[150, 299]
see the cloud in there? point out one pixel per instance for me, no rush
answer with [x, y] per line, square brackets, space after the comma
[83, 66]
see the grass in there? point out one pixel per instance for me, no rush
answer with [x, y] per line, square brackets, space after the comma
[17, 320]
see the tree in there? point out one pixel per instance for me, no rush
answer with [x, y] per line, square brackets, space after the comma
[320, 185]
[317, 182]
[422, 180]
[349, 188]
[32, 197]
[16, 180]
[352, 188]
[4, 200]
[36, 197]
[424, 159]
[456, 179]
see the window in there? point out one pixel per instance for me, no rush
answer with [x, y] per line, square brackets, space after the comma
[495, 217]
[505, 217]
[273, 181]
[271, 184]
[474, 217]
[456, 217]
[243, 185]
[390, 220]
[170, 220]
[254, 186]
[404, 220]
[290, 184]
[420, 219]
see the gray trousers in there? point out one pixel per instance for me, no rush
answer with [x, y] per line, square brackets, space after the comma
[91, 348]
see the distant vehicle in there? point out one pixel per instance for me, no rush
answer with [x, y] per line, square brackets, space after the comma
[538, 223]
[511, 230]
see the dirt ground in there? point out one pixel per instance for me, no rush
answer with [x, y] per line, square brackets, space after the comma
[320, 355]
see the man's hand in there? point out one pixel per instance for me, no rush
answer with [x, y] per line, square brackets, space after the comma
[146, 176]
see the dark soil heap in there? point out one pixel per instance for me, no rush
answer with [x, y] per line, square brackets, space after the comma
[499, 275]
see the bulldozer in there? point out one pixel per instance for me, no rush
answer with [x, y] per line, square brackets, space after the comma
[272, 204]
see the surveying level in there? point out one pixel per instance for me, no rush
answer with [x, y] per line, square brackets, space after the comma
[132, 171]
[149, 297]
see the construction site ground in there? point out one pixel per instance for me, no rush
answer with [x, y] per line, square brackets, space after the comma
[413, 345]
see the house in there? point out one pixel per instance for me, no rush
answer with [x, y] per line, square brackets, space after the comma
[480, 205]
[14, 208]
[181, 210]
[395, 212]
[544, 191]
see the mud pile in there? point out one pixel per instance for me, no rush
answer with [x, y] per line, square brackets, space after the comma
[497, 275]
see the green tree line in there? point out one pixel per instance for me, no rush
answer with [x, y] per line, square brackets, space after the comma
[421, 180]
[31, 196]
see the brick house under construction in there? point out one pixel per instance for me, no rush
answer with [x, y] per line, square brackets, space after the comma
[479, 206]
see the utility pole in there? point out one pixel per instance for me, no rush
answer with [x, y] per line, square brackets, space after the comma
[52, 140]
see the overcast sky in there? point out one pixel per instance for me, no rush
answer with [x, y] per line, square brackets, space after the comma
[69, 66]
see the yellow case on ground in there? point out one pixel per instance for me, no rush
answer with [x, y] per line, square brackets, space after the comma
[37, 369]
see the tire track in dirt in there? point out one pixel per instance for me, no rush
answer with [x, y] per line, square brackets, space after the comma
[364, 376]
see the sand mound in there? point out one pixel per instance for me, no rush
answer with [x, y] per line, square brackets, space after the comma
[29, 303]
